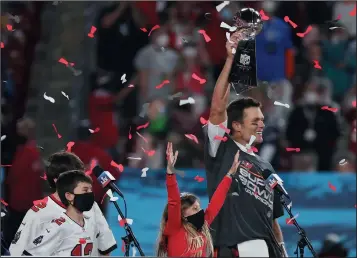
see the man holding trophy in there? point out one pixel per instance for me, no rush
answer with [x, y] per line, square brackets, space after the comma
[247, 224]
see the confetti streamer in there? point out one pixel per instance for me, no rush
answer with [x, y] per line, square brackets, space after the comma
[353, 12]
[9, 27]
[134, 158]
[192, 137]
[290, 221]
[293, 149]
[96, 130]
[317, 65]
[226, 26]
[69, 146]
[93, 163]
[264, 17]
[228, 36]
[92, 31]
[134, 251]
[118, 166]
[6, 165]
[154, 28]
[281, 104]
[287, 19]
[143, 126]
[342, 162]
[224, 128]
[190, 100]
[195, 76]
[332, 187]
[3, 214]
[65, 95]
[142, 137]
[224, 139]
[162, 84]
[249, 145]
[334, 110]
[176, 95]
[338, 17]
[150, 153]
[301, 35]
[131, 86]
[144, 170]
[199, 179]
[144, 29]
[58, 135]
[3, 202]
[203, 121]
[44, 177]
[130, 134]
[2, 45]
[3, 137]
[123, 79]
[122, 221]
[70, 66]
[221, 6]
[354, 103]
[50, 99]
[206, 37]
[144, 110]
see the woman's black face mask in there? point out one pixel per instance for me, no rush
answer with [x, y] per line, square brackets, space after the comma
[197, 220]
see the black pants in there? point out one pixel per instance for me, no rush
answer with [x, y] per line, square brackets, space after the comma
[11, 224]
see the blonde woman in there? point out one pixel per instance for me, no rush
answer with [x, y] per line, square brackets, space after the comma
[184, 229]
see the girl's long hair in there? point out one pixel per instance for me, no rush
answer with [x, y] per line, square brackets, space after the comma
[194, 240]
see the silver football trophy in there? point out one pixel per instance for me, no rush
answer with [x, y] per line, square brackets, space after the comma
[243, 75]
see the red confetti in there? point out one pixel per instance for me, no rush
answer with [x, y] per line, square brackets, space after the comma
[150, 153]
[162, 84]
[123, 246]
[203, 32]
[3, 202]
[289, 221]
[118, 166]
[69, 146]
[317, 65]
[92, 31]
[192, 137]
[293, 149]
[199, 179]
[329, 109]
[224, 128]
[9, 27]
[96, 130]
[153, 28]
[65, 62]
[195, 76]
[264, 17]
[58, 135]
[122, 222]
[130, 134]
[44, 177]
[2, 45]
[82, 241]
[224, 139]
[332, 187]
[301, 35]
[93, 163]
[203, 121]
[338, 17]
[293, 24]
[41, 202]
[143, 126]
[144, 29]
[252, 149]
[354, 103]
[353, 12]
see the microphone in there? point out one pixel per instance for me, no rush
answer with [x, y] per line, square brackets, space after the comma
[106, 180]
[276, 183]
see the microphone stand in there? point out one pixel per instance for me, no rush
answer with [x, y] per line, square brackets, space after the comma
[129, 238]
[304, 241]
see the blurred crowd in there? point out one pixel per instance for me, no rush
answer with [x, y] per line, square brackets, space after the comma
[151, 58]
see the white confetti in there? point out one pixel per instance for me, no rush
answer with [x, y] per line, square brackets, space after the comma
[221, 6]
[65, 95]
[134, 158]
[110, 193]
[123, 80]
[343, 162]
[249, 145]
[144, 170]
[91, 130]
[50, 99]
[129, 221]
[293, 218]
[3, 137]
[113, 199]
[176, 95]
[281, 104]
[190, 100]
[233, 52]
[134, 252]
[3, 214]
[333, 28]
[228, 36]
[226, 26]
[131, 86]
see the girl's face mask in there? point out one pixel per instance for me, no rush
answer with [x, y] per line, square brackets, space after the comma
[197, 220]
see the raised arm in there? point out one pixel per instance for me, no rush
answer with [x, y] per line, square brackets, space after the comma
[220, 194]
[174, 222]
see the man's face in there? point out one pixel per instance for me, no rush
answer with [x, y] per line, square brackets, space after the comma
[253, 124]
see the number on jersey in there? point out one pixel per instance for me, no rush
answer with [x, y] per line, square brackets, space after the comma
[39, 206]
[78, 250]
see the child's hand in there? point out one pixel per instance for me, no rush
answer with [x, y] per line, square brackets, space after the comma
[235, 165]
[171, 158]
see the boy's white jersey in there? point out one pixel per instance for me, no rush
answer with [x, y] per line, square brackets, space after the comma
[41, 214]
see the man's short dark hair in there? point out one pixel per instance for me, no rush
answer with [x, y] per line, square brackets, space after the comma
[60, 162]
[68, 181]
[235, 110]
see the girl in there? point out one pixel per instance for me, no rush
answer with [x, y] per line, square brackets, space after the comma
[184, 229]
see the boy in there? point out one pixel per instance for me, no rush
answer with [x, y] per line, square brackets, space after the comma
[50, 207]
[72, 233]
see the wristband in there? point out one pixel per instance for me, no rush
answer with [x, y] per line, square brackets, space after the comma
[228, 174]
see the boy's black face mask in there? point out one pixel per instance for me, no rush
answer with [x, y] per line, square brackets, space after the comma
[197, 220]
[83, 202]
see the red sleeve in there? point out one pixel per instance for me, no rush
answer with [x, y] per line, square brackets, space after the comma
[217, 199]
[174, 206]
